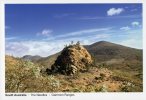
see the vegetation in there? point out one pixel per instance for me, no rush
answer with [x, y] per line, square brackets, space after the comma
[24, 76]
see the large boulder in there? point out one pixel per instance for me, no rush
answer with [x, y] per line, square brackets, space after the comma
[72, 59]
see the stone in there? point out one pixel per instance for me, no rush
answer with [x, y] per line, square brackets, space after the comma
[72, 59]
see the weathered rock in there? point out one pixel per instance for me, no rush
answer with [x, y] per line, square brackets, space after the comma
[73, 58]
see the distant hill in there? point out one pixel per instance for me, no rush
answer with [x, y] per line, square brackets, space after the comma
[48, 61]
[32, 58]
[104, 51]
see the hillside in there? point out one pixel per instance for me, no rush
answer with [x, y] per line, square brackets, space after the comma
[116, 56]
[103, 51]
[48, 61]
[32, 58]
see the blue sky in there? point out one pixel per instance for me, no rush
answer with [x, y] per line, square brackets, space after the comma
[44, 29]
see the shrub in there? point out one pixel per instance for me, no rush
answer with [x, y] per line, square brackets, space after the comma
[19, 75]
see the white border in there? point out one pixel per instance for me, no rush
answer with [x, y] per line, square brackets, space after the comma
[2, 49]
[85, 96]
[72, 1]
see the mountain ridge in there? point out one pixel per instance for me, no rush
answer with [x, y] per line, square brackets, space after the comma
[102, 51]
[88, 47]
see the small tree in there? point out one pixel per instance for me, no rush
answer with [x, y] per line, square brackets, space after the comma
[78, 43]
[72, 42]
[65, 45]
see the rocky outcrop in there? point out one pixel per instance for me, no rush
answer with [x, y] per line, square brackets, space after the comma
[73, 58]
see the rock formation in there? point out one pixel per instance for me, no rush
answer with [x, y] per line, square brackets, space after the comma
[72, 59]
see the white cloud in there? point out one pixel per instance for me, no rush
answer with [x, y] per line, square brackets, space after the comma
[80, 33]
[84, 32]
[106, 17]
[136, 43]
[135, 23]
[31, 48]
[114, 11]
[133, 39]
[16, 48]
[10, 38]
[125, 28]
[48, 47]
[45, 32]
